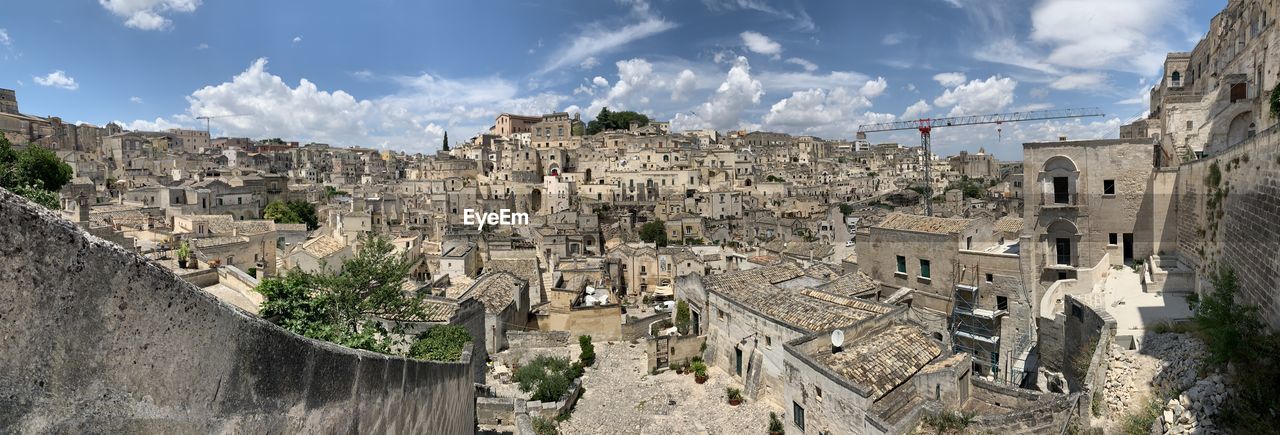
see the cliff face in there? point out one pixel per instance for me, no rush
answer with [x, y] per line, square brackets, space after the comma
[97, 339]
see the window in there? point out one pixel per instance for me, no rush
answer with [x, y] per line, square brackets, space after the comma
[1002, 303]
[768, 341]
[990, 277]
[968, 242]
[817, 391]
[1063, 246]
[1113, 238]
[1190, 124]
[902, 264]
[719, 314]
[797, 415]
[1077, 312]
[924, 269]
[1108, 187]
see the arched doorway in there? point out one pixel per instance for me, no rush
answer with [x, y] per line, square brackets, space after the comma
[1242, 127]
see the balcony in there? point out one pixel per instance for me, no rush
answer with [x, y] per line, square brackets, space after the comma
[1061, 200]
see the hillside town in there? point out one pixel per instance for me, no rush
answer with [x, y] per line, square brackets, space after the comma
[692, 281]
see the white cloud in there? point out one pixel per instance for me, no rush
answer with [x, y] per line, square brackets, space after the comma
[413, 118]
[159, 124]
[916, 110]
[807, 65]
[954, 3]
[590, 62]
[297, 39]
[135, 100]
[1008, 51]
[949, 79]
[761, 44]
[202, 46]
[1113, 35]
[893, 38]
[978, 96]
[1090, 80]
[599, 38]
[57, 79]
[822, 112]
[4, 38]
[600, 81]
[685, 84]
[148, 14]
[792, 80]
[798, 16]
[724, 109]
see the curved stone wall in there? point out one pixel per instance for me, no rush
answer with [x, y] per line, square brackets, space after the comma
[97, 339]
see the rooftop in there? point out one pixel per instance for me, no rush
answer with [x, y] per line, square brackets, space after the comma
[768, 291]
[495, 290]
[883, 359]
[923, 224]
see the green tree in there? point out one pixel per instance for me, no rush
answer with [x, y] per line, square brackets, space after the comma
[281, 213]
[306, 212]
[683, 317]
[654, 232]
[547, 377]
[608, 120]
[588, 354]
[846, 209]
[445, 147]
[345, 306]
[35, 173]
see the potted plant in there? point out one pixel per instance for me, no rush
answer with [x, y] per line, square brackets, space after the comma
[676, 368]
[184, 254]
[699, 372]
[775, 424]
[734, 395]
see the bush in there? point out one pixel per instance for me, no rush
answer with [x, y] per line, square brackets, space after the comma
[949, 421]
[733, 393]
[775, 423]
[1236, 335]
[543, 426]
[548, 378]
[441, 343]
[683, 317]
[699, 369]
[588, 355]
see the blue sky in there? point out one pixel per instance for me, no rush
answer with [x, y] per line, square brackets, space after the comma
[398, 74]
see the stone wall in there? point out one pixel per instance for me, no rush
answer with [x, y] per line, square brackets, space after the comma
[1233, 222]
[96, 339]
[680, 349]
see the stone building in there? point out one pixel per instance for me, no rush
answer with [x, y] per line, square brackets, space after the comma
[506, 305]
[556, 130]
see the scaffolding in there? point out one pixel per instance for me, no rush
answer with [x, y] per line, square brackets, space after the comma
[976, 330]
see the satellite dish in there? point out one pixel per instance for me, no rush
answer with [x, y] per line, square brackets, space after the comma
[837, 338]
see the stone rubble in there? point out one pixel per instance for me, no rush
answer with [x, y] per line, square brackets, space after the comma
[1193, 411]
[1167, 363]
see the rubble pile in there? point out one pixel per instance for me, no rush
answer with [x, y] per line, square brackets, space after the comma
[1194, 410]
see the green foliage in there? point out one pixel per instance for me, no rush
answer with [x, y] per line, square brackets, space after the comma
[654, 232]
[547, 377]
[1215, 175]
[445, 146]
[699, 368]
[1095, 405]
[441, 343]
[773, 179]
[544, 426]
[344, 306]
[607, 120]
[184, 251]
[733, 393]
[588, 355]
[253, 271]
[35, 173]
[948, 422]
[683, 316]
[775, 423]
[293, 212]
[846, 209]
[1235, 334]
[970, 188]
[1140, 421]
[330, 192]
[1274, 101]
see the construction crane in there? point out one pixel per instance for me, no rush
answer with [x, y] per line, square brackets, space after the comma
[209, 118]
[926, 125]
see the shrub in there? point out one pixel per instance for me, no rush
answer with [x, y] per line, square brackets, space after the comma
[949, 421]
[699, 369]
[683, 317]
[588, 355]
[733, 393]
[775, 423]
[543, 426]
[441, 343]
[548, 378]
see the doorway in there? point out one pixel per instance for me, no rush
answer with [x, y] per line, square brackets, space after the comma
[1063, 249]
[737, 367]
[1128, 248]
[1060, 193]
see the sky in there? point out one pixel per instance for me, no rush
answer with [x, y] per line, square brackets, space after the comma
[399, 74]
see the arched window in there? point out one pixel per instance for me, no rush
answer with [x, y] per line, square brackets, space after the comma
[1176, 79]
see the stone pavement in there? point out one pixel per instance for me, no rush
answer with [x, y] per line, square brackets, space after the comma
[622, 398]
[1134, 310]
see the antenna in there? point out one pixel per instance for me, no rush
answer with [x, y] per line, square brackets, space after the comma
[837, 340]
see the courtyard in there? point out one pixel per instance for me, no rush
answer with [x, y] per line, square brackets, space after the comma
[622, 397]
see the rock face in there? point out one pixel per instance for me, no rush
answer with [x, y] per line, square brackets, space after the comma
[1166, 364]
[94, 339]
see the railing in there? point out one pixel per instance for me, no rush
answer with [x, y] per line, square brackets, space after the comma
[1051, 199]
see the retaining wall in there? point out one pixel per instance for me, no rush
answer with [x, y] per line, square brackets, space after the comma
[95, 339]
